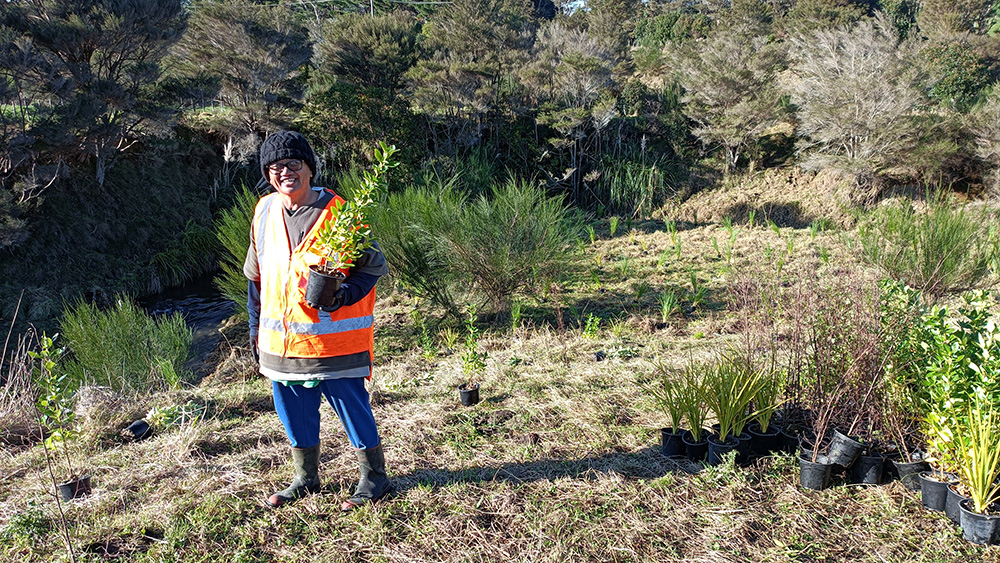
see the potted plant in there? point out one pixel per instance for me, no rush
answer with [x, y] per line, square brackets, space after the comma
[666, 391]
[765, 436]
[980, 464]
[473, 362]
[344, 236]
[690, 397]
[728, 391]
[55, 416]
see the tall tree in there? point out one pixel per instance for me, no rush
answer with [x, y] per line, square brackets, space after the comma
[78, 80]
[860, 98]
[470, 48]
[253, 53]
[731, 89]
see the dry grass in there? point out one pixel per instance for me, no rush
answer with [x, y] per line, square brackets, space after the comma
[557, 463]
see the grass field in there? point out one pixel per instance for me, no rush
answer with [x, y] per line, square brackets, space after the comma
[558, 462]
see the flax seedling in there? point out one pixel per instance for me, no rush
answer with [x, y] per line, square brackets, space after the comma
[613, 225]
[669, 305]
[641, 288]
[624, 266]
[516, 315]
[751, 217]
[592, 234]
[448, 338]
[661, 259]
[591, 326]
[345, 236]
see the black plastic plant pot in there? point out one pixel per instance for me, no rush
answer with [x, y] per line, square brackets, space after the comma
[843, 449]
[717, 448]
[671, 442]
[321, 288]
[139, 430]
[933, 490]
[909, 472]
[695, 451]
[74, 488]
[951, 504]
[469, 394]
[980, 529]
[764, 443]
[867, 470]
[814, 475]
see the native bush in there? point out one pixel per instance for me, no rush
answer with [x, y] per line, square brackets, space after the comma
[124, 348]
[943, 250]
[449, 249]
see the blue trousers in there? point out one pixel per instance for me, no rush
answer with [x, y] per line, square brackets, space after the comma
[298, 410]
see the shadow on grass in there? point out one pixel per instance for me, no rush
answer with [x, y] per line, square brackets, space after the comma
[648, 463]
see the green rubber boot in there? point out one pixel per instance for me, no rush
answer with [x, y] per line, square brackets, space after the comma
[306, 481]
[374, 483]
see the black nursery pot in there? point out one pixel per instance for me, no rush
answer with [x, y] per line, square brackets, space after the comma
[695, 451]
[979, 528]
[867, 470]
[764, 443]
[139, 430]
[671, 442]
[744, 453]
[951, 504]
[909, 472]
[814, 475]
[74, 488]
[843, 449]
[933, 489]
[321, 288]
[718, 448]
[469, 394]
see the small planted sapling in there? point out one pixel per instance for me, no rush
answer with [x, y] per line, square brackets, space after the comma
[345, 235]
[473, 361]
[56, 417]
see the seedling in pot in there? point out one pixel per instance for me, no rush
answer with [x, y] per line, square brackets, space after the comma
[473, 361]
[344, 237]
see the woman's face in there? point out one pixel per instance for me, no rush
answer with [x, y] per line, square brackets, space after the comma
[292, 178]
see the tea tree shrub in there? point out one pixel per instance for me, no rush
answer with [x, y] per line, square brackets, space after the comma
[124, 348]
[944, 250]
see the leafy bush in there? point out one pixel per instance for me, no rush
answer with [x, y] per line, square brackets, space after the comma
[962, 366]
[124, 348]
[944, 250]
[232, 229]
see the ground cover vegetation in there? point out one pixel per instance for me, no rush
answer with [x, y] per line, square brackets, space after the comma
[598, 214]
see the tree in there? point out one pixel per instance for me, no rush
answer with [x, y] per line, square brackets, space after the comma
[859, 100]
[942, 18]
[470, 50]
[731, 90]
[78, 84]
[366, 51]
[251, 53]
[568, 78]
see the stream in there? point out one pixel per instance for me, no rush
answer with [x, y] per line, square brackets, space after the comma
[204, 309]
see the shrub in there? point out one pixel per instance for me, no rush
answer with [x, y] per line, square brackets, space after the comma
[232, 229]
[446, 248]
[941, 251]
[124, 348]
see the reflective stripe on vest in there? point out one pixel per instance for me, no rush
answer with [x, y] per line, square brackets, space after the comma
[288, 327]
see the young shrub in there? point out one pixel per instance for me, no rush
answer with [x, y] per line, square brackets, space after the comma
[944, 250]
[512, 242]
[124, 348]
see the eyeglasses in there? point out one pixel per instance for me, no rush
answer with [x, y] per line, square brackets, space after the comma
[294, 165]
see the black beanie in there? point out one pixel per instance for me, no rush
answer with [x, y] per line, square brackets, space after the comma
[286, 144]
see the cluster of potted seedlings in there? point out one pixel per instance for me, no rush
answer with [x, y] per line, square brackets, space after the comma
[754, 420]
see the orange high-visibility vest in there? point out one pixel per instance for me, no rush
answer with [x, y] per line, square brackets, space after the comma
[288, 327]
